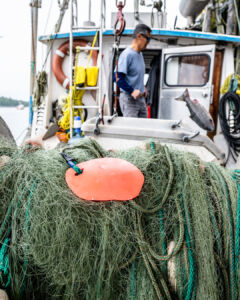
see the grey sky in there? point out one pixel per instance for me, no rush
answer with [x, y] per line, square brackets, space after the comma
[15, 44]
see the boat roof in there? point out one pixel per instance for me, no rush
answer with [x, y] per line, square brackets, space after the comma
[163, 33]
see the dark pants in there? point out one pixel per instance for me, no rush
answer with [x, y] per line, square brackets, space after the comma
[131, 107]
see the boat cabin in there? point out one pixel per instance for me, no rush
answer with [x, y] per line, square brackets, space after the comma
[174, 59]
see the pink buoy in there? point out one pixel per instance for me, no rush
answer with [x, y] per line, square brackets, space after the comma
[106, 179]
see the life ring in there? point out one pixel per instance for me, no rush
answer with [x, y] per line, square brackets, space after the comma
[58, 58]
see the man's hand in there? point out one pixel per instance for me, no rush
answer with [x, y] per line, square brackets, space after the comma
[136, 94]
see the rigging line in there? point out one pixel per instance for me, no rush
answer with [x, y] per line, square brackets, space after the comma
[48, 16]
[237, 15]
[33, 41]
[57, 26]
[20, 135]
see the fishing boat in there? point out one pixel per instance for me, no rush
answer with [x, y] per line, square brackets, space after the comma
[20, 107]
[100, 206]
[199, 61]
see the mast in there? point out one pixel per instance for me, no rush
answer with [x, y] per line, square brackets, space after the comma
[35, 4]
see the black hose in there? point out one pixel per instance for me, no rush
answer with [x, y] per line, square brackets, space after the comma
[229, 116]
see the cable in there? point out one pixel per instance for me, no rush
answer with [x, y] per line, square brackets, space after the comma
[48, 17]
[229, 116]
[20, 135]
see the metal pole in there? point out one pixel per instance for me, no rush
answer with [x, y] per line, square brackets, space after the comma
[75, 14]
[89, 9]
[100, 58]
[70, 67]
[136, 10]
[35, 4]
[104, 13]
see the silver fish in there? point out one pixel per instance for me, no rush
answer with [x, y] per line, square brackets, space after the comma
[198, 113]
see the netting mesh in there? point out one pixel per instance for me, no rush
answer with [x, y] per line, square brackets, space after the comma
[179, 239]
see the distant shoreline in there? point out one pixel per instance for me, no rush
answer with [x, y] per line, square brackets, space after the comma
[9, 102]
[13, 105]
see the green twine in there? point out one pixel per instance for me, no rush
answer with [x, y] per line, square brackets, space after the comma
[133, 281]
[6, 219]
[188, 235]
[164, 244]
[5, 275]
[214, 224]
[44, 221]
[191, 265]
[232, 254]
[25, 262]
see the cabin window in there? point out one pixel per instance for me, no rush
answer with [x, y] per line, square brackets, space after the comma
[187, 70]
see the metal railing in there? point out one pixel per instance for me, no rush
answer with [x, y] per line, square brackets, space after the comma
[98, 28]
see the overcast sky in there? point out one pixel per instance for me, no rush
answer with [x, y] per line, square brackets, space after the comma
[15, 41]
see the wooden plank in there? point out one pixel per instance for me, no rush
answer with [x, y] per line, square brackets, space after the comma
[216, 90]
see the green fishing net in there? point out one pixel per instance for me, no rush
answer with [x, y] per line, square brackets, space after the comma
[179, 239]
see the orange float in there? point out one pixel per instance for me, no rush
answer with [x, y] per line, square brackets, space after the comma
[58, 58]
[106, 179]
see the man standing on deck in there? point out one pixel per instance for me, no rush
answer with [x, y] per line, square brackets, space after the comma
[130, 75]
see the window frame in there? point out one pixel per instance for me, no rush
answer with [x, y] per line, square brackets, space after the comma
[182, 55]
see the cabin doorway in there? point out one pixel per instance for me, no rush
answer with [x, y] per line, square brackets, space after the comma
[152, 59]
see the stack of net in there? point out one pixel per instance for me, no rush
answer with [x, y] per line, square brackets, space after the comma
[179, 239]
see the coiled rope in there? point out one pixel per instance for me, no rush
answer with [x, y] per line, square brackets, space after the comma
[229, 116]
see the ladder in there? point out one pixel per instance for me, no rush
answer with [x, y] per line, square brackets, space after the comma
[98, 87]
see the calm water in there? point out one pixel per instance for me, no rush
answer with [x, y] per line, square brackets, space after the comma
[17, 121]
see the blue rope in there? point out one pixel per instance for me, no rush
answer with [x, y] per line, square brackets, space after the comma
[5, 276]
[7, 216]
[191, 264]
[237, 223]
[152, 146]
